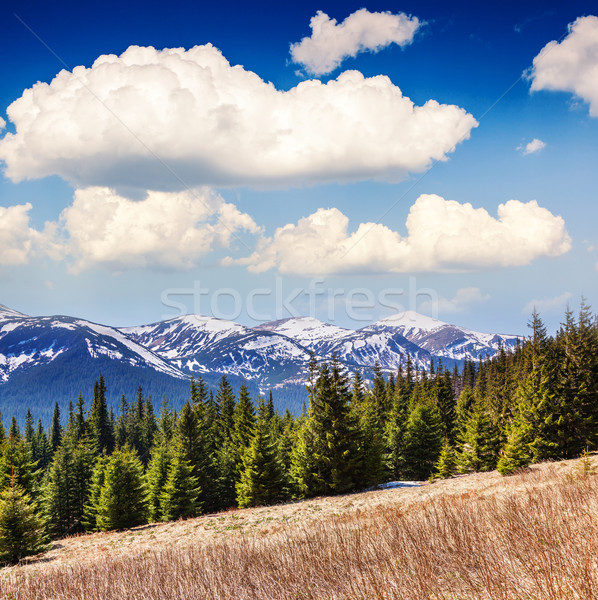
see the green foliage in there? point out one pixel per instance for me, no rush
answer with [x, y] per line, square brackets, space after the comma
[67, 485]
[16, 461]
[479, 441]
[99, 420]
[155, 477]
[446, 465]
[261, 475]
[326, 460]
[21, 530]
[180, 495]
[423, 441]
[118, 494]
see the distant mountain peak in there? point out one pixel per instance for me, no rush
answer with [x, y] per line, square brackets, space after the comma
[409, 319]
[9, 313]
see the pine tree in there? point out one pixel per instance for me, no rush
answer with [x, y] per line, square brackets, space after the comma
[180, 495]
[516, 453]
[325, 460]
[156, 475]
[423, 441]
[122, 495]
[99, 419]
[67, 485]
[41, 451]
[446, 466]
[192, 436]
[16, 461]
[394, 433]
[98, 477]
[55, 429]
[244, 420]
[261, 475]
[479, 442]
[29, 430]
[21, 530]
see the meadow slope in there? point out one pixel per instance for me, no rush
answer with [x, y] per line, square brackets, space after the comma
[531, 536]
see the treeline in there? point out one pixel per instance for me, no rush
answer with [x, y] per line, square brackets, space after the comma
[98, 471]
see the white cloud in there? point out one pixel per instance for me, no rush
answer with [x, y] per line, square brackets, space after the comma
[165, 230]
[330, 43]
[2, 123]
[571, 65]
[460, 302]
[443, 236]
[17, 240]
[534, 146]
[215, 124]
[548, 305]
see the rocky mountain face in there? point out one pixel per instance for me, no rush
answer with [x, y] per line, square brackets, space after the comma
[48, 359]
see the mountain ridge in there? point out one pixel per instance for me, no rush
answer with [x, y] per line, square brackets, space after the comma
[45, 352]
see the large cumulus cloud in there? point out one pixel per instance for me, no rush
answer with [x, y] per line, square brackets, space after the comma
[571, 65]
[167, 119]
[443, 236]
[166, 230]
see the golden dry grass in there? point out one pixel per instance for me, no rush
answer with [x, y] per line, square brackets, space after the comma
[533, 536]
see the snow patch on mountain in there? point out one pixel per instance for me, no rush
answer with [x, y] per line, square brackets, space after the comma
[9, 313]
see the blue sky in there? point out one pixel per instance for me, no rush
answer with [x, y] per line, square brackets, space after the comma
[309, 190]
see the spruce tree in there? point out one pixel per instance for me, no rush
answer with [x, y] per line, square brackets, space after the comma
[122, 496]
[16, 461]
[99, 419]
[67, 485]
[41, 450]
[325, 460]
[446, 466]
[55, 429]
[180, 495]
[156, 475]
[394, 433]
[29, 430]
[479, 442]
[261, 479]
[244, 420]
[423, 441]
[21, 530]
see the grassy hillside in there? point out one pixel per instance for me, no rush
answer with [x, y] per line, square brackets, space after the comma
[530, 536]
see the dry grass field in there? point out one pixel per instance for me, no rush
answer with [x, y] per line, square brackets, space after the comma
[532, 536]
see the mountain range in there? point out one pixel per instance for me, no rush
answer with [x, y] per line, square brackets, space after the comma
[51, 359]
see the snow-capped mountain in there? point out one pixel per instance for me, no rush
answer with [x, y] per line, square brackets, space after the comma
[44, 359]
[52, 359]
[27, 342]
[201, 345]
[445, 340]
[9, 313]
[311, 333]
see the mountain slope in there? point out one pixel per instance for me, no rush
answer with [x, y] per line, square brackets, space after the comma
[445, 340]
[52, 359]
[48, 359]
[201, 345]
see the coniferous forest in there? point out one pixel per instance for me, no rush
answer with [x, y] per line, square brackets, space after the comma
[94, 470]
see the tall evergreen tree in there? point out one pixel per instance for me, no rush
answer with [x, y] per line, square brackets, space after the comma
[99, 419]
[156, 475]
[325, 460]
[423, 441]
[21, 530]
[67, 485]
[479, 442]
[180, 495]
[261, 479]
[120, 501]
[55, 429]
